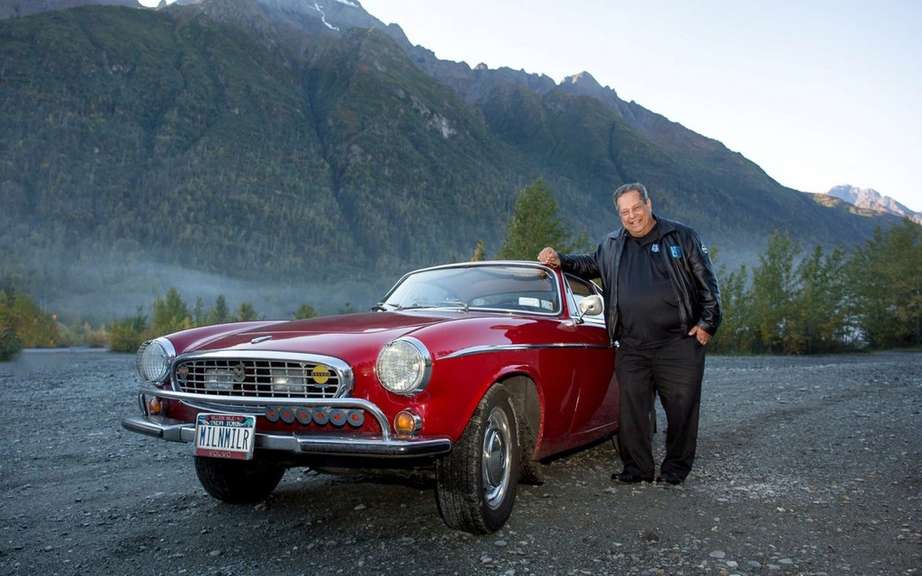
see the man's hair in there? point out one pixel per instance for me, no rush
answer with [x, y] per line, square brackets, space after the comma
[632, 187]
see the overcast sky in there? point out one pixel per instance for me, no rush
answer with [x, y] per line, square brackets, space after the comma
[818, 93]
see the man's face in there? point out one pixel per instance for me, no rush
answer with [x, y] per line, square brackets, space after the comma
[636, 215]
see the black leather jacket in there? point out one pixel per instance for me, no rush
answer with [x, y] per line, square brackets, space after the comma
[693, 278]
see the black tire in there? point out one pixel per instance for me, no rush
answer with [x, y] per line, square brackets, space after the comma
[238, 481]
[474, 493]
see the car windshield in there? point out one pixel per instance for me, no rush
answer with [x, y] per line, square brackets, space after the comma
[500, 287]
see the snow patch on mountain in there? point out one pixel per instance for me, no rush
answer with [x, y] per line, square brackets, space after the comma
[871, 199]
[323, 17]
[348, 3]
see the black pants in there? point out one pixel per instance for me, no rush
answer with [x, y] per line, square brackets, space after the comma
[674, 371]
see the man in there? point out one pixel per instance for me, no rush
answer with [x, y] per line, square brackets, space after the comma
[662, 307]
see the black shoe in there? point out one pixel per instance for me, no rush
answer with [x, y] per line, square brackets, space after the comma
[630, 477]
[669, 479]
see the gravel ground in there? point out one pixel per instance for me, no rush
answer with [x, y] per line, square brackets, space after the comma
[805, 466]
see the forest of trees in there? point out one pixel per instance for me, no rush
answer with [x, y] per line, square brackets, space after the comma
[793, 301]
[23, 324]
[170, 313]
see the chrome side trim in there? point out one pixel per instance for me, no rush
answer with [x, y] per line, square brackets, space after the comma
[484, 349]
[258, 404]
[328, 445]
[343, 370]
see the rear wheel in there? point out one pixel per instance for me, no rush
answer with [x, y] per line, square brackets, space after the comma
[238, 481]
[476, 482]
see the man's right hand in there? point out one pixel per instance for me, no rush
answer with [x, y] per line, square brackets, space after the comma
[549, 257]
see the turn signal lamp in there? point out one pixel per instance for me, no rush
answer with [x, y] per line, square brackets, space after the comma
[407, 423]
[153, 406]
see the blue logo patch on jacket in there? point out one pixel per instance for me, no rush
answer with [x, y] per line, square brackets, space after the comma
[654, 248]
[675, 251]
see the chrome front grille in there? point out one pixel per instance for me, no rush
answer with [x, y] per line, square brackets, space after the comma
[296, 376]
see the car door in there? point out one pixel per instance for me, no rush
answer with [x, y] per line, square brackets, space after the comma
[596, 411]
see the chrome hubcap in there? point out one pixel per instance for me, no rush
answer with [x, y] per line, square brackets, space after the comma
[497, 454]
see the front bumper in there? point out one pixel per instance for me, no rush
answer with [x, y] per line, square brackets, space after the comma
[383, 446]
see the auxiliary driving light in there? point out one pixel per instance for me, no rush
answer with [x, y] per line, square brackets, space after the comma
[407, 423]
[287, 415]
[356, 418]
[321, 416]
[303, 415]
[272, 414]
[337, 417]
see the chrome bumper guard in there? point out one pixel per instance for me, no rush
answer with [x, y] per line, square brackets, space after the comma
[384, 446]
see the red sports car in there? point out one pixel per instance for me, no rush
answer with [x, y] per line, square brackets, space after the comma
[480, 369]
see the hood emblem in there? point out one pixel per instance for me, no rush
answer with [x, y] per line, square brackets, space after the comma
[239, 373]
[321, 374]
[259, 339]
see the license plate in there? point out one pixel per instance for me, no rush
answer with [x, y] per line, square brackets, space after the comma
[225, 436]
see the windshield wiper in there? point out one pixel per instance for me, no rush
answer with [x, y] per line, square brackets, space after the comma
[416, 306]
[413, 306]
[458, 303]
[381, 307]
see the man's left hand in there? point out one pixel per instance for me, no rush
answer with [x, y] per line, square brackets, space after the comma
[701, 334]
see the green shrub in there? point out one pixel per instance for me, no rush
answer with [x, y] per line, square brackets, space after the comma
[126, 335]
[9, 343]
[305, 311]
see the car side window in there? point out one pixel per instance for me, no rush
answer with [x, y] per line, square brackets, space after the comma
[581, 289]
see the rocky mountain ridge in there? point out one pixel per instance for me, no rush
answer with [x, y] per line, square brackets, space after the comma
[285, 144]
[871, 199]
[19, 8]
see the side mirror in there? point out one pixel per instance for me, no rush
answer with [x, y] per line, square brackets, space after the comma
[591, 305]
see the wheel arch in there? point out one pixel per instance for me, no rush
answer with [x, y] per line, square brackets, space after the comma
[528, 405]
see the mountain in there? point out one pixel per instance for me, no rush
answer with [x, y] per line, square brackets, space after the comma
[872, 200]
[283, 147]
[17, 8]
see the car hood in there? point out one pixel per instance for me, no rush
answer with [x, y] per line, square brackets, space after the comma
[350, 337]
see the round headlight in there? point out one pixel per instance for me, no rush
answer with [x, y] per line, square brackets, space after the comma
[154, 358]
[404, 366]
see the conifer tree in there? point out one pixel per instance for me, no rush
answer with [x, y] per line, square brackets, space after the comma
[480, 252]
[219, 314]
[245, 313]
[885, 277]
[534, 225]
[773, 284]
[819, 316]
[736, 334]
[170, 314]
[305, 311]
[199, 318]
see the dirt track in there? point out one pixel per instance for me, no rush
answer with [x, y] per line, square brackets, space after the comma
[805, 466]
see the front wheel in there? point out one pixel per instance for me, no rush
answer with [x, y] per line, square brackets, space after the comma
[238, 481]
[476, 482]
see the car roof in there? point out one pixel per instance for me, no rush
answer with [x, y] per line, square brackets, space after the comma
[522, 263]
